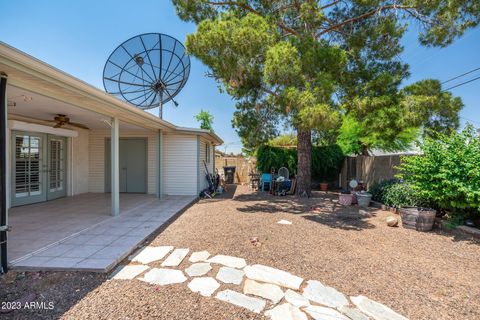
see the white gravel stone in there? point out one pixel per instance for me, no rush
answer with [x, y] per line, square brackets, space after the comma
[199, 256]
[284, 222]
[323, 313]
[230, 275]
[317, 292]
[198, 269]
[353, 313]
[296, 299]
[129, 272]
[272, 275]
[150, 254]
[375, 310]
[286, 312]
[253, 304]
[175, 258]
[164, 276]
[206, 286]
[265, 290]
[229, 261]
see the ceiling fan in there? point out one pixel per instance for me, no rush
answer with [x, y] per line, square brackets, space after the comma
[62, 120]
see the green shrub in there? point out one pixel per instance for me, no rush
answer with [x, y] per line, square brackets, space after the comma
[326, 160]
[378, 189]
[400, 195]
[448, 173]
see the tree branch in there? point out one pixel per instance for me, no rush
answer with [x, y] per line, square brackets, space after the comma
[329, 5]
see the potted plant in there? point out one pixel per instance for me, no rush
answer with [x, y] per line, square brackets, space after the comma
[345, 198]
[363, 198]
[323, 186]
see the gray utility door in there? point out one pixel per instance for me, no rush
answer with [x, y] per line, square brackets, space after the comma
[132, 165]
[38, 167]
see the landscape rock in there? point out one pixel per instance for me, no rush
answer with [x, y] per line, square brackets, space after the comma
[284, 222]
[353, 313]
[364, 213]
[317, 292]
[392, 221]
[253, 304]
[150, 254]
[198, 269]
[296, 299]
[206, 286]
[271, 275]
[265, 290]
[375, 310]
[229, 261]
[175, 258]
[230, 275]
[286, 311]
[199, 256]
[323, 313]
[129, 272]
[164, 276]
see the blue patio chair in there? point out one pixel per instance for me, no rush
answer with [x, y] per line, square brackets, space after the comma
[266, 178]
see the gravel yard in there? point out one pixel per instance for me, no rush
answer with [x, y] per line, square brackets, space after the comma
[419, 275]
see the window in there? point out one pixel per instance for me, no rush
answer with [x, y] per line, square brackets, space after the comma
[207, 152]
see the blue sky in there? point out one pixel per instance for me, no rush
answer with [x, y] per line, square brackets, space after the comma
[78, 36]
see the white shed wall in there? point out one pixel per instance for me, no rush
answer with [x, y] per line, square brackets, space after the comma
[210, 164]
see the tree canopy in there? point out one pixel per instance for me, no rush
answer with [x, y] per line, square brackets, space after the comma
[206, 120]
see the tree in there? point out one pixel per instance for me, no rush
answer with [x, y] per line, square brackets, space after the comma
[205, 119]
[284, 140]
[304, 61]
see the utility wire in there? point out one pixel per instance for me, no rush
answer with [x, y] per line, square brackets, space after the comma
[459, 76]
[461, 84]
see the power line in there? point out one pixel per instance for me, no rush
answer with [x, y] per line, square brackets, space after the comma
[459, 76]
[461, 84]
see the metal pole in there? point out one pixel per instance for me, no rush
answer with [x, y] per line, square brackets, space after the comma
[3, 173]
[115, 167]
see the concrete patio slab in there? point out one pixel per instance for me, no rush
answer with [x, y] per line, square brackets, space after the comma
[77, 233]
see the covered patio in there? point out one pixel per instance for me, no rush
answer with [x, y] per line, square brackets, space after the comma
[47, 236]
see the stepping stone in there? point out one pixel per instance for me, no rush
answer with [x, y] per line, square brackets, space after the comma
[150, 254]
[129, 272]
[229, 261]
[328, 296]
[268, 291]
[253, 304]
[175, 258]
[206, 286]
[198, 269]
[284, 222]
[230, 275]
[286, 312]
[164, 276]
[353, 313]
[323, 313]
[375, 310]
[199, 256]
[296, 299]
[272, 275]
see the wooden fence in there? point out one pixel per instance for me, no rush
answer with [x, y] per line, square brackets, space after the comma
[243, 166]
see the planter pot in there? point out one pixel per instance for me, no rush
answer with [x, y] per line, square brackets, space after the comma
[420, 219]
[363, 199]
[345, 199]
[354, 198]
[323, 186]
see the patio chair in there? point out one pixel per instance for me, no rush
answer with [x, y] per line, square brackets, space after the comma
[266, 179]
[283, 172]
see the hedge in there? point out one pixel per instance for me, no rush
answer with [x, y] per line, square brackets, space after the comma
[326, 160]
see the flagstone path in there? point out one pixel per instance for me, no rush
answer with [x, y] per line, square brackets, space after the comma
[279, 294]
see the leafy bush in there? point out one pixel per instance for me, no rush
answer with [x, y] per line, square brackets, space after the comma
[378, 189]
[448, 173]
[326, 160]
[400, 195]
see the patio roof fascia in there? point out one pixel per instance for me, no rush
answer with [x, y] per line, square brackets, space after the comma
[36, 70]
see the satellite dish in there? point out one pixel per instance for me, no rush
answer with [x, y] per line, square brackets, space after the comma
[147, 70]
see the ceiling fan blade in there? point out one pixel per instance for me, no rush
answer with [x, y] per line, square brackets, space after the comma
[79, 125]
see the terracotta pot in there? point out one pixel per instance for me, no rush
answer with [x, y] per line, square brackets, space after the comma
[345, 199]
[323, 186]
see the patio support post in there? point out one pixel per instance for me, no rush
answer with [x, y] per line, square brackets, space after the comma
[159, 164]
[115, 183]
[3, 173]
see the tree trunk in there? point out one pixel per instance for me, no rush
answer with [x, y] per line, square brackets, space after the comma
[304, 167]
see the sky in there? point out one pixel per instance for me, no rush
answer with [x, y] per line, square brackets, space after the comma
[78, 37]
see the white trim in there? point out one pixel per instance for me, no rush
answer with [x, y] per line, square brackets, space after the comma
[33, 127]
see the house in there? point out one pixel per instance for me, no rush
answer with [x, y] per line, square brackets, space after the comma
[111, 148]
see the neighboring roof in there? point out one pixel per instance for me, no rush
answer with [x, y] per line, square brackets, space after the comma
[33, 74]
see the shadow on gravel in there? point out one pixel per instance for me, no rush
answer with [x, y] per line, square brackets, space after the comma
[342, 220]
